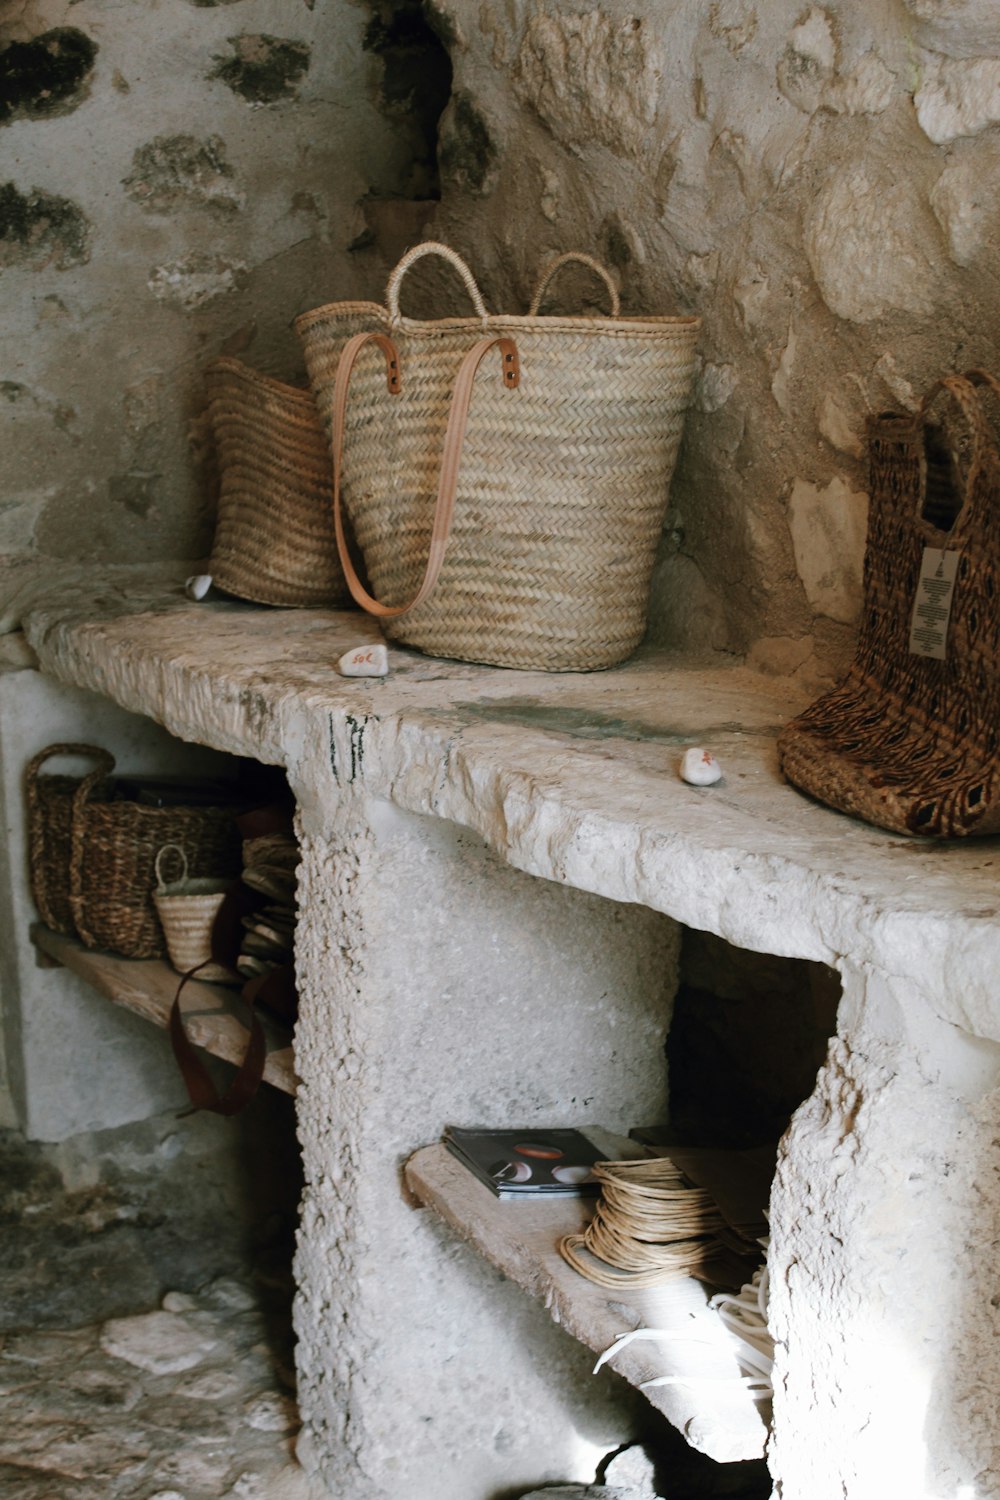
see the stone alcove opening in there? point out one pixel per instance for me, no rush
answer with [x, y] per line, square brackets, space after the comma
[748, 1036]
[414, 90]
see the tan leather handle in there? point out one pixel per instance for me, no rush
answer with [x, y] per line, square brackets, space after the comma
[458, 416]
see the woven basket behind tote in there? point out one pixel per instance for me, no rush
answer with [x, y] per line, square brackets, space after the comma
[93, 857]
[907, 742]
[563, 483]
[274, 540]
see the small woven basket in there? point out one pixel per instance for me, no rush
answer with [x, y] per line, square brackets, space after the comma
[274, 542]
[92, 854]
[187, 910]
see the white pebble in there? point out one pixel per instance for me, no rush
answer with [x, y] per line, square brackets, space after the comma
[699, 767]
[161, 1342]
[364, 661]
[198, 585]
[179, 1302]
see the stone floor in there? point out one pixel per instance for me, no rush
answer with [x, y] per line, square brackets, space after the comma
[188, 1402]
[146, 1347]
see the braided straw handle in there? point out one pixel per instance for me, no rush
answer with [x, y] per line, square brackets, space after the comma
[963, 393]
[981, 377]
[105, 765]
[80, 799]
[584, 260]
[432, 247]
[161, 884]
[458, 416]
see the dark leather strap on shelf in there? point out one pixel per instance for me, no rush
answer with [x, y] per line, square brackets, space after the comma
[198, 1081]
[275, 989]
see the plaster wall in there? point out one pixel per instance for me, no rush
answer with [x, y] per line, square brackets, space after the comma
[818, 182]
[72, 1062]
[438, 985]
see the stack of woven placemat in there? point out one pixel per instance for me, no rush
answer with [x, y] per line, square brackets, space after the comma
[269, 864]
[686, 1212]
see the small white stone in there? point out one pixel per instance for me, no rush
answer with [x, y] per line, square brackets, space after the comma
[699, 767]
[364, 661]
[178, 1302]
[229, 1295]
[161, 1342]
[271, 1412]
[198, 585]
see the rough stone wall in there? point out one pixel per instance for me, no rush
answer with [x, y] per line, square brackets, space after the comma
[817, 182]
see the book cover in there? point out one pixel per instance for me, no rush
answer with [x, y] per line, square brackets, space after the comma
[527, 1163]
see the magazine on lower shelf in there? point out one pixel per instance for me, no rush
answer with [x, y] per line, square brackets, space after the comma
[528, 1163]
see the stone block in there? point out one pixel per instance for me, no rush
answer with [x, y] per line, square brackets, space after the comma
[263, 69]
[178, 171]
[48, 75]
[590, 77]
[39, 229]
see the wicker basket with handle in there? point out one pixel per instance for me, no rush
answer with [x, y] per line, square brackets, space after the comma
[187, 910]
[909, 739]
[93, 853]
[508, 489]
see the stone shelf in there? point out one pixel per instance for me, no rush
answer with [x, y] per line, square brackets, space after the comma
[213, 1014]
[456, 824]
[569, 776]
[715, 1414]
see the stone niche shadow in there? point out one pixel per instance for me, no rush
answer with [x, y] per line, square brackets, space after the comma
[748, 1037]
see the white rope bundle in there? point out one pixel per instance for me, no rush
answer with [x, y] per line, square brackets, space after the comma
[740, 1323]
[649, 1226]
[744, 1317]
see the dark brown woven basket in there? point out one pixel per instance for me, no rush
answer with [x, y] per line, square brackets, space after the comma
[910, 742]
[93, 855]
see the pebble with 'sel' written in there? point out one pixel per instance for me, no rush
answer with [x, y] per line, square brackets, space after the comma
[364, 661]
[699, 767]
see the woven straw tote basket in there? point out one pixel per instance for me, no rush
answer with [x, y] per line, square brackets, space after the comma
[910, 741]
[274, 541]
[187, 910]
[506, 477]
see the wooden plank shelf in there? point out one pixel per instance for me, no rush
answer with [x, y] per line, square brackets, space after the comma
[213, 1013]
[709, 1406]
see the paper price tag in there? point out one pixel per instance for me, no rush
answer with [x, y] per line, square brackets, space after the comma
[932, 606]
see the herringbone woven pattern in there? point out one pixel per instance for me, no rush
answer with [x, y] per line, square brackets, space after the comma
[273, 539]
[563, 483]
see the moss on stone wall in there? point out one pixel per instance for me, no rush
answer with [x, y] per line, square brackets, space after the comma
[46, 76]
[38, 229]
